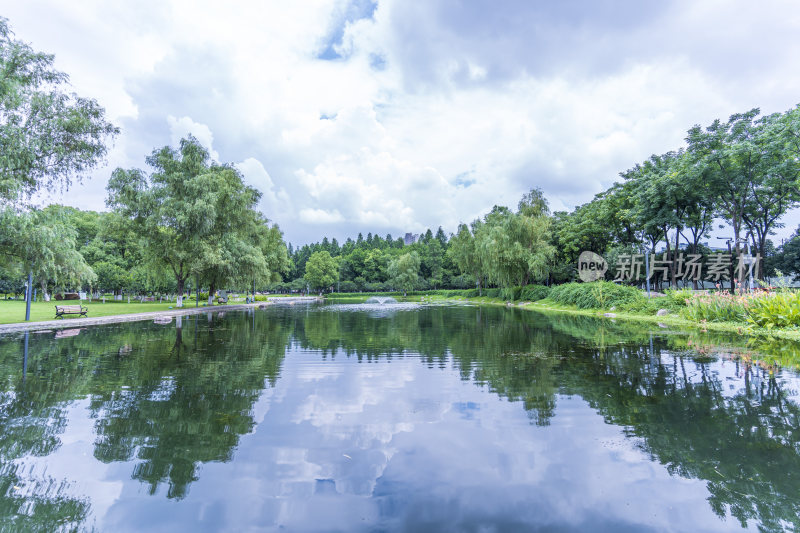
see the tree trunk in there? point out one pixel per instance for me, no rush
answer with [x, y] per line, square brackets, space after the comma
[669, 256]
[762, 245]
[736, 231]
[677, 251]
[179, 302]
[211, 290]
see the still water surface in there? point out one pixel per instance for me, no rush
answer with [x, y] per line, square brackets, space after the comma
[395, 418]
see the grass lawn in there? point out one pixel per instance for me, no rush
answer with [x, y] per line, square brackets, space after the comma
[12, 311]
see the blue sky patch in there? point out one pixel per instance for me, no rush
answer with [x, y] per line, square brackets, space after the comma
[355, 10]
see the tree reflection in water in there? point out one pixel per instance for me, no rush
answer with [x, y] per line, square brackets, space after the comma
[168, 399]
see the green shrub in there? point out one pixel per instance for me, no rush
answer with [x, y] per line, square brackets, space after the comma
[511, 293]
[491, 293]
[533, 293]
[776, 310]
[347, 286]
[678, 297]
[717, 307]
[596, 295]
[651, 306]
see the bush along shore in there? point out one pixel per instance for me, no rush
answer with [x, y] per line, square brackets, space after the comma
[774, 313]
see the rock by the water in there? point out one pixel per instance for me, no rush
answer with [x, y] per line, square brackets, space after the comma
[662, 312]
[610, 315]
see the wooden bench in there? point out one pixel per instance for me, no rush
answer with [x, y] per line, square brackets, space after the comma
[62, 310]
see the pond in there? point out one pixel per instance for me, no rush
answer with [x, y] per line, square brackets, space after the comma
[397, 417]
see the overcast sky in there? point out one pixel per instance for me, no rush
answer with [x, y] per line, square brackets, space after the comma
[401, 115]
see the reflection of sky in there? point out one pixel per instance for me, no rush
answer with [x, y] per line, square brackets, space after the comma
[347, 446]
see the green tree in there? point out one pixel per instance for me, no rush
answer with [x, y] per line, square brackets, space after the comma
[533, 204]
[404, 271]
[244, 248]
[779, 188]
[195, 217]
[787, 259]
[739, 159]
[111, 277]
[43, 243]
[48, 137]
[462, 252]
[431, 256]
[269, 239]
[322, 271]
[376, 263]
[515, 247]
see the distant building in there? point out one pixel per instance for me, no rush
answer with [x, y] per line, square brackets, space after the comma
[410, 238]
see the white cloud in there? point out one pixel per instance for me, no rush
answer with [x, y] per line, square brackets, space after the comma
[320, 216]
[429, 118]
[257, 176]
[180, 128]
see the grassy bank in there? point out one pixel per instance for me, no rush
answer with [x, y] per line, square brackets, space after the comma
[674, 319]
[13, 311]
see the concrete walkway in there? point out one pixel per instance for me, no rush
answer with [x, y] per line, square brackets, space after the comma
[133, 317]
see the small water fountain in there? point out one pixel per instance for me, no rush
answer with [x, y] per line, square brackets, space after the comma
[381, 300]
[375, 306]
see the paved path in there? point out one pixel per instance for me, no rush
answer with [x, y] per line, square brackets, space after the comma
[111, 319]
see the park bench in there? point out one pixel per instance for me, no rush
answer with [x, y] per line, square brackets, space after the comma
[62, 310]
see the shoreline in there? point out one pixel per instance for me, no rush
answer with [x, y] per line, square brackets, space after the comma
[147, 315]
[671, 320]
[542, 306]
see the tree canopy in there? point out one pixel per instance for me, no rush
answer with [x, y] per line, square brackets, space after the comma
[322, 271]
[197, 218]
[404, 271]
[48, 137]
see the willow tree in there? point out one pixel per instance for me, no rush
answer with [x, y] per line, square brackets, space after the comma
[515, 247]
[404, 272]
[43, 244]
[195, 217]
[243, 248]
[48, 136]
[461, 251]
